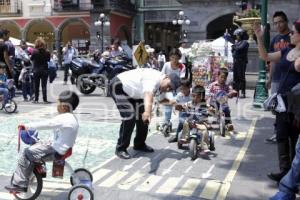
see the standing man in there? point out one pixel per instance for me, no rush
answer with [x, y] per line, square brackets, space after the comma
[4, 58]
[133, 93]
[11, 52]
[279, 42]
[69, 52]
[161, 60]
[183, 50]
[240, 60]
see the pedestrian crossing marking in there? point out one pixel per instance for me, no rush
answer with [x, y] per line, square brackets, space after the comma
[133, 180]
[240, 135]
[210, 190]
[149, 183]
[189, 187]
[169, 185]
[6, 196]
[100, 174]
[113, 179]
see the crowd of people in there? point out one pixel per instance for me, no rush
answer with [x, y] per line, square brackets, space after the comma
[167, 81]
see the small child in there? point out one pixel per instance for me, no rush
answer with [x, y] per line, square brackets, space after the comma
[3, 85]
[182, 98]
[197, 112]
[65, 128]
[26, 79]
[216, 87]
[173, 66]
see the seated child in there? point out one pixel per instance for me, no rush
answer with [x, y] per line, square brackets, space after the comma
[216, 87]
[65, 128]
[3, 85]
[183, 97]
[196, 112]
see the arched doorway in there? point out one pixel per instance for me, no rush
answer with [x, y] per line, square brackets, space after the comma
[217, 27]
[76, 31]
[13, 28]
[40, 28]
[123, 34]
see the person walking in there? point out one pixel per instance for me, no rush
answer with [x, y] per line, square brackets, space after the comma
[240, 60]
[133, 93]
[40, 58]
[69, 52]
[11, 52]
[288, 60]
[280, 41]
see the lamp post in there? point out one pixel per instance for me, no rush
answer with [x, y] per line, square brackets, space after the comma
[102, 21]
[181, 19]
[261, 92]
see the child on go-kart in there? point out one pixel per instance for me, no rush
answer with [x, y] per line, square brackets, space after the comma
[196, 113]
[3, 86]
[214, 89]
[65, 128]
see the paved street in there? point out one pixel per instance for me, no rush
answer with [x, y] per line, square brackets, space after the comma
[235, 171]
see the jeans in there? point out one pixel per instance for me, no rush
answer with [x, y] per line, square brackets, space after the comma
[4, 92]
[290, 182]
[167, 113]
[26, 89]
[182, 117]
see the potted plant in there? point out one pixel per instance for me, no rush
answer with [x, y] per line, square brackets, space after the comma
[246, 19]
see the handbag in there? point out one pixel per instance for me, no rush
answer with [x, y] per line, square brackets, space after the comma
[275, 102]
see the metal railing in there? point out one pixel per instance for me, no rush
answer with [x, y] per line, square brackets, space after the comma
[11, 9]
[69, 6]
[165, 3]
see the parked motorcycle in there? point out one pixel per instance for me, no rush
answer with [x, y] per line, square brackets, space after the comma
[90, 74]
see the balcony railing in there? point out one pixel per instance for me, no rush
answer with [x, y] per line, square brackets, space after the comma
[70, 6]
[165, 3]
[11, 9]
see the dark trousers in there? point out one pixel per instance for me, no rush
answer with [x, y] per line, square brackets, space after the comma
[239, 77]
[40, 76]
[131, 111]
[287, 136]
[66, 71]
[26, 89]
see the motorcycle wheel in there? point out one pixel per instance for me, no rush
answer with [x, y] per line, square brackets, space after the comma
[193, 149]
[179, 143]
[211, 136]
[165, 130]
[84, 88]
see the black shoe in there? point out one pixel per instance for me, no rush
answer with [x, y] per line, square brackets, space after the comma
[123, 154]
[243, 96]
[271, 140]
[15, 188]
[145, 148]
[172, 139]
[277, 176]
[47, 102]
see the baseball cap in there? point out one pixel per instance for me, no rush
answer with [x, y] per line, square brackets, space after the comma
[175, 81]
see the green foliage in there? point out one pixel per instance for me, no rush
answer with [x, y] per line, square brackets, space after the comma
[252, 13]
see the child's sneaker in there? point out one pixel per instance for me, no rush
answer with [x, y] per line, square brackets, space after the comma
[229, 127]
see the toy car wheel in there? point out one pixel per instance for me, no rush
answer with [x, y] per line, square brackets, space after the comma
[79, 175]
[193, 149]
[11, 106]
[34, 188]
[81, 192]
[84, 87]
[170, 127]
[165, 130]
[211, 136]
[179, 143]
[222, 126]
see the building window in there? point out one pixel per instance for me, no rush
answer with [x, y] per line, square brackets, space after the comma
[4, 2]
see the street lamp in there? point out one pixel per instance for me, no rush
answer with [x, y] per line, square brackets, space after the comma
[102, 21]
[261, 92]
[181, 19]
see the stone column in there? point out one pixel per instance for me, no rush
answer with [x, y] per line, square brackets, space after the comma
[57, 39]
